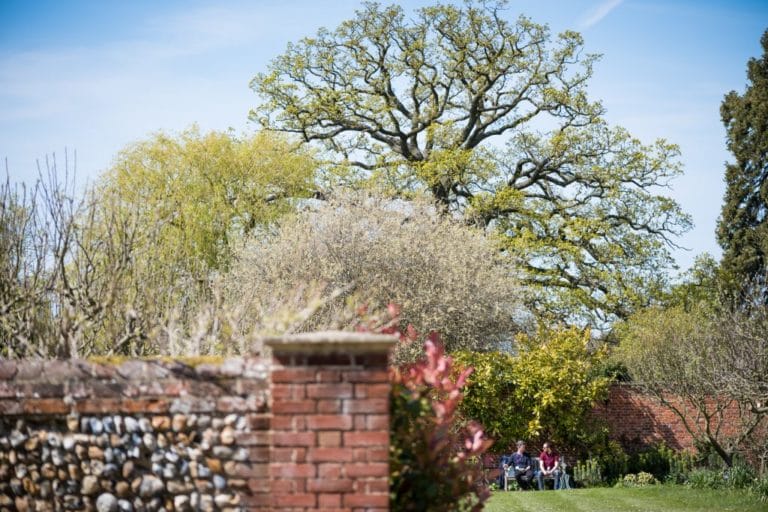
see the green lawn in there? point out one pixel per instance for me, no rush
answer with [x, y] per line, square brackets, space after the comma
[666, 498]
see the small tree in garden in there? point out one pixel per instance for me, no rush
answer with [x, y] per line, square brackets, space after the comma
[433, 465]
[546, 390]
[702, 364]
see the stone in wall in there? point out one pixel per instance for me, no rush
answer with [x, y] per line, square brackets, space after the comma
[123, 463]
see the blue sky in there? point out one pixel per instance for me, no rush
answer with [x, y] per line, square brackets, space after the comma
[95, 76]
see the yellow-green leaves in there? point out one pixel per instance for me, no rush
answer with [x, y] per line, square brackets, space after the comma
[178, 206]
[546, 390]
[196, 193]
[425, 103]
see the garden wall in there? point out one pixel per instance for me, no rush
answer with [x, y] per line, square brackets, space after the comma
[305, 430]
[636, 419]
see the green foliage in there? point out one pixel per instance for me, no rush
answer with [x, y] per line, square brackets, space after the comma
[609, 462]
[588, 473]
[546, 390]
[490, 396]
[740, 476]
[706, 479]
[641, 479]
[613, 460]
[657, 498]
[560, 383]
[196, 194]
[760, 488]
[742, 230]
[680, 465]
[130, 268]
[433, 460]
[423, 102]
[664, 463]
[186, 202]
[701, 284]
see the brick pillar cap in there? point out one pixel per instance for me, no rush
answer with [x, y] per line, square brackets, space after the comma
[331, 342]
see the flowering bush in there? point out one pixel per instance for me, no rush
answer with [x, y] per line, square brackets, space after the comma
[358, 247]
[433, 458]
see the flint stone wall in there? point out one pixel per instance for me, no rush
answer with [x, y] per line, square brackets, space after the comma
[305, 430]
[134, 435]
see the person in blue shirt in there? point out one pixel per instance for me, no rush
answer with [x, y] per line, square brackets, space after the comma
[522, 464]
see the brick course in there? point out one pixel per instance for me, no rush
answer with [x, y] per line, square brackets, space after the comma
[154, 434]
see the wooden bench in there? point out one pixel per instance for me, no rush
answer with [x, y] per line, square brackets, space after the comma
[565, 478]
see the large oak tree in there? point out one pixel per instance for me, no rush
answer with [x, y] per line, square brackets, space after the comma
[492, 118]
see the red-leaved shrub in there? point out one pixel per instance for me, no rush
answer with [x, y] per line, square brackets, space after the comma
[434, 455]
[433, 458]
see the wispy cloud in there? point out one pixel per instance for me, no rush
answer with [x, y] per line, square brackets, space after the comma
[596, 15]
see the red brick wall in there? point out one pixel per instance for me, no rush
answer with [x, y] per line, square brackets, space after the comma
[636, 419]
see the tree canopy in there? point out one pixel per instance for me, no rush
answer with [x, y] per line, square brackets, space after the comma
[196, 192]
[492, 119]
[364, 250]
[130, 268]
[742, 230]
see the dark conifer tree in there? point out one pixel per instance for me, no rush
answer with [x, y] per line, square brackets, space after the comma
[742, 229]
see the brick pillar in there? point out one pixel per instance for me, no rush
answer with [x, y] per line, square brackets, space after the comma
[330, 422]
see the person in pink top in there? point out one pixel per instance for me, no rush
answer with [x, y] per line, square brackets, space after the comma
[549, 465]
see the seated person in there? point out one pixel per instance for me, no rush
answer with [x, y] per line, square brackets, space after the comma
[549, 465]
[523, 466]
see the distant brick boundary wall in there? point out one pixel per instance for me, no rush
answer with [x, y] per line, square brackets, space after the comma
[636, 419]
[305, 431]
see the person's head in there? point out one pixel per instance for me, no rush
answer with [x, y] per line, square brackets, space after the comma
[548, 447]
[521, 446]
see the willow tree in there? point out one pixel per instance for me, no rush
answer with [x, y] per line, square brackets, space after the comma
[187, 200]
[491, 117]
[197, 192]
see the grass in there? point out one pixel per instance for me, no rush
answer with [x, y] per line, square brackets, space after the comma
[662, 498]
